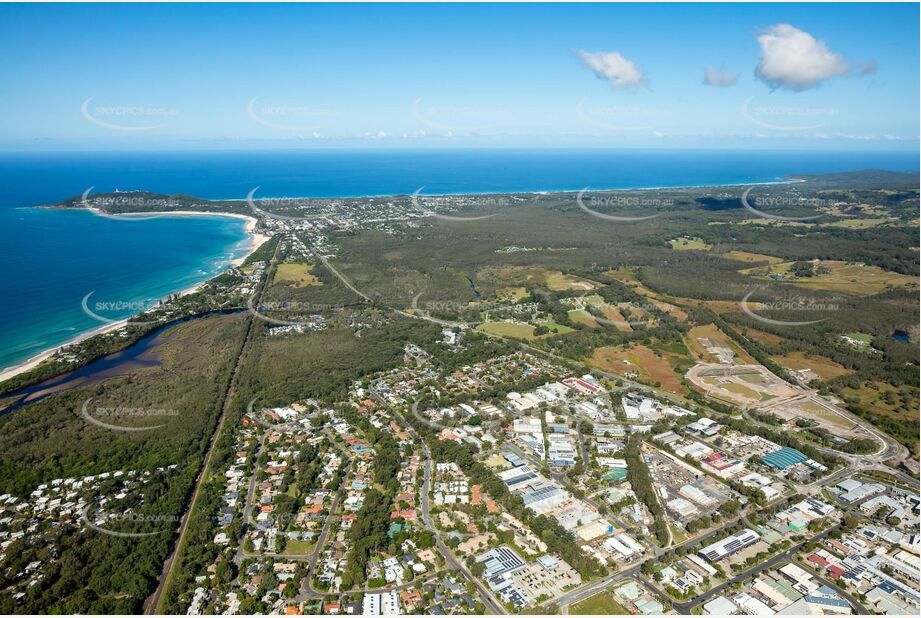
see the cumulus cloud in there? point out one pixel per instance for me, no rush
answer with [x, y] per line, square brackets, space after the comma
[611, 66]
[794, 59]
[720, 78]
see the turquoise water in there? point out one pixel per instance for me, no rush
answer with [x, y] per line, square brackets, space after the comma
[53, 259]
[49, 260]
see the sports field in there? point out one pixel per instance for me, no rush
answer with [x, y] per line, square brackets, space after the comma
[581, 316]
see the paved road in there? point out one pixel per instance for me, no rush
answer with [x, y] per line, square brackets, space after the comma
[490, 601]
[582, 593]
[583, 449]
[579, 595]
[337, 274]
[890, 448]
[307, 589]
[307, 584]
[152, 604]
[248, 505]
[685, 606]
[854, 601]
[413, 583]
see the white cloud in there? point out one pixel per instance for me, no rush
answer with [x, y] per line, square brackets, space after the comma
[791, 58]
[614, 68]
[720, 78]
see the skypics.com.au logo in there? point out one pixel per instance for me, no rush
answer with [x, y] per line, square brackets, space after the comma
[591, 202]
[787, 117]
[107, 417]
[419, 203]
[118, 307]
[126, 117]
[794, 305]
[783, 201]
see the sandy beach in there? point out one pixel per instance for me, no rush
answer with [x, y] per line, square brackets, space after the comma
[255, 241]
[36, 360]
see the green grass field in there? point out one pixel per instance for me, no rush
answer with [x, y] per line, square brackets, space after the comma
[839, 276]
[600, 604]
[556, 329]
[296, 274]
[521, 331]
[508, 329]
[864, 339]
[297, 548]
[581, 316]
[689, 244]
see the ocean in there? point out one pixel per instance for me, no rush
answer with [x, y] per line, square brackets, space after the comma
[50, 260]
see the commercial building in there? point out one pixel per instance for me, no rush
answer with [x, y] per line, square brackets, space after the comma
[382, 604]
[704, 427]
[856, 491]
[720, 606]
[730, 545]
[784, 458]
[696, 495]
[499, 561]
[723, 467]
[682, 507]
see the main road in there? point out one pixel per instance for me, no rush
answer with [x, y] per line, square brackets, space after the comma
[685, 607]
[153, 603]
[485, 594]
[890, 448]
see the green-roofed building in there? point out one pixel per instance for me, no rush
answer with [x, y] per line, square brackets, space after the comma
[784, 587]
[784, 458]
[779, 527]
[616, 475]
[798, 524]
[649, 607]
[629, 591]
[768, 535]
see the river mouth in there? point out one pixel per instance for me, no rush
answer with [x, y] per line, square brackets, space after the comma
[143, 353]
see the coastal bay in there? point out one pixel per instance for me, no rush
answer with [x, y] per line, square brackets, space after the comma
[126, 265]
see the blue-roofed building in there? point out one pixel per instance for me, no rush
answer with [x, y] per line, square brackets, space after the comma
[540, 494]
[784, 458]
[826, 597]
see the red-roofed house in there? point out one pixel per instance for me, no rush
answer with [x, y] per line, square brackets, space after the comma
[817, 559]
[476, 496]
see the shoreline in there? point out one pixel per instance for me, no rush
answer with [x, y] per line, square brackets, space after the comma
[254, 238]
[257, 239]
[543, 192]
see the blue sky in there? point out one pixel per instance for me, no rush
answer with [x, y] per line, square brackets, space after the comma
[814, 76]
